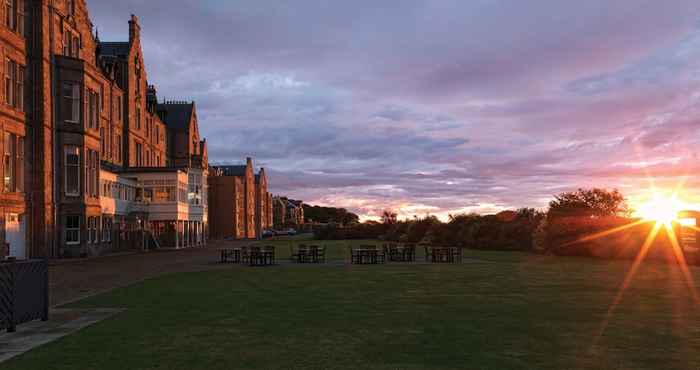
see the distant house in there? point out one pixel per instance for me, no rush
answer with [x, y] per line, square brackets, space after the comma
[288, 212]
[242, 204]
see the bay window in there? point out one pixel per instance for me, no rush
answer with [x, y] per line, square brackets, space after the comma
[70, 106]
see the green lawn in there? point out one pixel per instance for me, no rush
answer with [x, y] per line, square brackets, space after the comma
[504, 311]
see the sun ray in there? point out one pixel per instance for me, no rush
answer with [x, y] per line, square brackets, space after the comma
[693, 227]
[682, 263]
[606, 232]
[628, 279]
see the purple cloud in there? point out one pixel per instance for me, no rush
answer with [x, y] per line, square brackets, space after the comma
[442, 106]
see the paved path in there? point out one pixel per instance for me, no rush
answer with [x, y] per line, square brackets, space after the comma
[37, 333]
[73, 280]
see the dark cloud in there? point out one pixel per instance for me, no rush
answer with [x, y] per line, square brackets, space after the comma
[432, 106]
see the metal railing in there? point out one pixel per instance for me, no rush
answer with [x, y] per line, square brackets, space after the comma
[24, 292]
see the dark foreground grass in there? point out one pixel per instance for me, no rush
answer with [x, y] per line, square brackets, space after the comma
[506, 311]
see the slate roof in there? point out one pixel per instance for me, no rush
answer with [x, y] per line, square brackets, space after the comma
[176, 115]
[232, 170]
[114, 48]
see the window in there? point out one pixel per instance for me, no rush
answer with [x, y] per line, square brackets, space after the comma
[71, 102]
[102, 98]
[72, 168]
[13, 163]
[138, 118]
[103, 142]
[14, 16]
[157, 134]
[91, 173]
[118, 148]
[71, 44]
[75, 50]
[93, 233]
[71, 7]
[139, 154]
[92, 113]
[148, 158]
[10, 20]
[119, 108]
[14, 84]
[106, 229]
[72, 229]
[19, 86]
[67, 42]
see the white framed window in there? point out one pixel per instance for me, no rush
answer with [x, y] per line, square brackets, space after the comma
[118, 148]
[72, 230]
[14, 16]
[106, 229]
[71, 102]
[75, 50]
[91, 173]
[13, 163]
[72, 169]
[14, 84]
[92, 109]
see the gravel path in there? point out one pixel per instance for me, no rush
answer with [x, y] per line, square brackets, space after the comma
[70, 281]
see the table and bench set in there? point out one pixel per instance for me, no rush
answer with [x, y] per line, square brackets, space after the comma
[366, 254]
[371, 254]
[250, 255]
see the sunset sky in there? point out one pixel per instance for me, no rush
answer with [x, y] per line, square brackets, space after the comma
[434, 106]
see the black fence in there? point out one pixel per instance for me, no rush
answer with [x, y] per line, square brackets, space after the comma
[24, 292]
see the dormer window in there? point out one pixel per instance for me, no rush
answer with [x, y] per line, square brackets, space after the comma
[14, 16]
[71, 44]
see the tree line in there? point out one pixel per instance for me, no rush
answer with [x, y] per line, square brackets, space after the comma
[575, 223]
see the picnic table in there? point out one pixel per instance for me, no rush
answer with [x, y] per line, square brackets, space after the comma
[401, 253]
[443, 254]
[308, 254]
[261, 256]
[367, 255]
[230, 255]
[251, 255]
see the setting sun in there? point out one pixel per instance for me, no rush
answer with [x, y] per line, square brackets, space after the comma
[661, 208]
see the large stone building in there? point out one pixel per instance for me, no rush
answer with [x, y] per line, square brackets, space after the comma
[92, 162]
[244, 207]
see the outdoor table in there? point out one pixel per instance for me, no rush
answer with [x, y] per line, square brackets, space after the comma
[305, 255]
[400, 254]
[367, 256]
[262, 256]
[230, 255]
[444, 254]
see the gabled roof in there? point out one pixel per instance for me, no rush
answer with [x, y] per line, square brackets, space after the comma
[176, 115]
[114, 48]
[232, 170]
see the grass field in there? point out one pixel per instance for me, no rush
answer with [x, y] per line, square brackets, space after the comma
[497, 311]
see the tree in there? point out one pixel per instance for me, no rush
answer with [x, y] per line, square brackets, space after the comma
[329, 215]
[389, 217]
[589, 203]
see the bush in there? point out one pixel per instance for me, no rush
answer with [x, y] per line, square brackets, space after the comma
[602, 237]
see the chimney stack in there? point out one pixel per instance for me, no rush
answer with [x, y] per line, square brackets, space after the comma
[134, 29]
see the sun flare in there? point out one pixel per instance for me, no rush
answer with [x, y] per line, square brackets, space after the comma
[661, 208]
